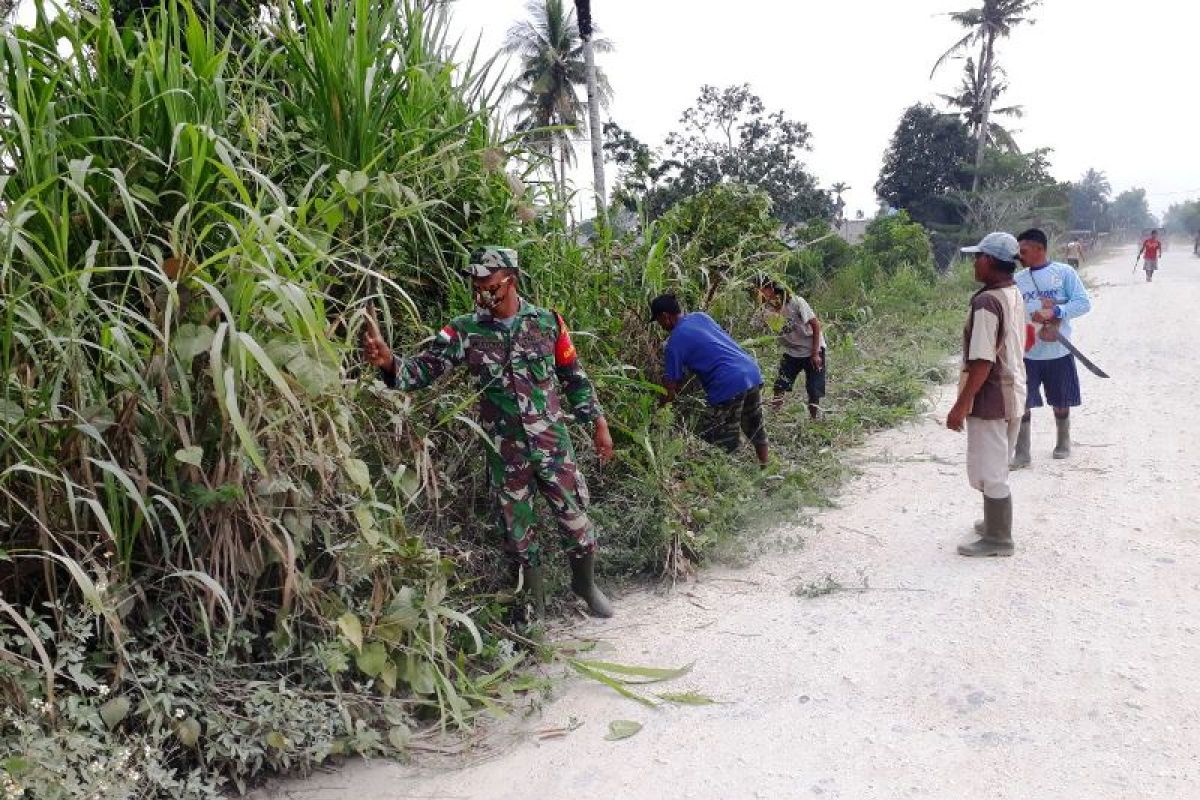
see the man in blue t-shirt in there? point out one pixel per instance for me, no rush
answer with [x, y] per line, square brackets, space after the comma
[730, 376]
[1054, 295]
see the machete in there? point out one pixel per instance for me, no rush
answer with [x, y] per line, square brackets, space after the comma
[1087, 362]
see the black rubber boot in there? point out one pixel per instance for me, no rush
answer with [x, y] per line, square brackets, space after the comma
[997, 535]
[1062, 448]
[583, 584]
[529, 603]
[1021, 457]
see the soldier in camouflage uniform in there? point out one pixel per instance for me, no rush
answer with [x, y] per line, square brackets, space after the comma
[515, 350]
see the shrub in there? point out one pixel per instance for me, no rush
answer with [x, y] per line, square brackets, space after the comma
[895, 241]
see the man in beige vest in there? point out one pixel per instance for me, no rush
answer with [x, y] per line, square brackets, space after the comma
[991, 389]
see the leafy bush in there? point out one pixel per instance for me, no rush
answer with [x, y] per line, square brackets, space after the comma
[721, 229]
[895, 241]
[820, 253]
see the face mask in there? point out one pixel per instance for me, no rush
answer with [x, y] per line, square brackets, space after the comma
[489, 299]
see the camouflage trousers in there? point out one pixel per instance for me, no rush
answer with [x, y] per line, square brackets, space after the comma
[545, 466]
[721, 424]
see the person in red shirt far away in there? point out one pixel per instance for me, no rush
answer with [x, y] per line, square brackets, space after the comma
[1150, 252]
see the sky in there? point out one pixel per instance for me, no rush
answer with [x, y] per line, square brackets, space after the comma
[1105, 84]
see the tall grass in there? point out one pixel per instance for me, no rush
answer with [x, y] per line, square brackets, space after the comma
[223, 548]
[188, 228]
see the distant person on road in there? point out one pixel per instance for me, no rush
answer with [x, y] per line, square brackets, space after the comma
[991, 389]
[730, 376]
[1075, 253]
[801, 342]
[1054, 295]
[1150, 253]
[1196, 245]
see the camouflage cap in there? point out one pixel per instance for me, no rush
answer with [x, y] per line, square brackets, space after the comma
[486, 260]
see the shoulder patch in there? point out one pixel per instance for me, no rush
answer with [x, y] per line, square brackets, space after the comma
[564, 348]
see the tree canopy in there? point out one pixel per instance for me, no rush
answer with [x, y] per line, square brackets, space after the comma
[728, 136]
[1089, 198]
[1183, 218]
[926, 164]
[1131, 211]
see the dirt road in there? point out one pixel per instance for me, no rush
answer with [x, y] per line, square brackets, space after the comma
[1069, 671]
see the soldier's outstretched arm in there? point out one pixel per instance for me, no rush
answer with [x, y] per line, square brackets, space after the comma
[446, 350]
[577, 386]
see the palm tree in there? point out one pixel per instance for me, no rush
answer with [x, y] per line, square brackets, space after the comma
[583, 10]
[553, 64]
[1089, 200]
[839, 204]
[969, 103]
[986, 25]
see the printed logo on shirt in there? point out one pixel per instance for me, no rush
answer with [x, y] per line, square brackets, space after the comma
[1045, 286]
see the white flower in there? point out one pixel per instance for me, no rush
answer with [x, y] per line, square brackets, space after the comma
[103, 691]
[180, 713]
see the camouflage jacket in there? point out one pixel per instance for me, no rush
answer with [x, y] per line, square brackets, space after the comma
[514, 370]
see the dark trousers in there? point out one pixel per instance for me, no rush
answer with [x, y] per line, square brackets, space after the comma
[790, 368]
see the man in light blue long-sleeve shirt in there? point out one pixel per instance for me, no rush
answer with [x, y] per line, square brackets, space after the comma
[1054, 295]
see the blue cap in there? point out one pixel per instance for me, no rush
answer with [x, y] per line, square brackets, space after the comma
[998, 245]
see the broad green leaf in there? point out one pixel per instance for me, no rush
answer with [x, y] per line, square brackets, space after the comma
[10, 412]
[316, 377]
[193, 455]
[389, 676]
[351, 628]
[620, 729]
[366, 524]
[114, 711]
[372, 658]
[420, 676]
[353, 182]
[356, 469]
[192, 340]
